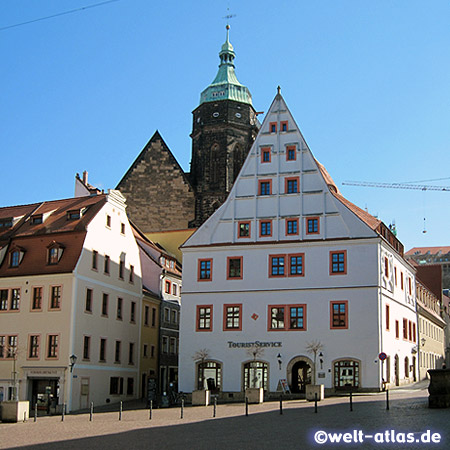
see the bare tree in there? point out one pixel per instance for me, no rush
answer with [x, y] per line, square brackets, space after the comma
[201, 355]
[256, 352]
[313, 348]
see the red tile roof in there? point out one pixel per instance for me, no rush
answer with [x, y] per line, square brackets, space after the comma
[425, 250]
[367, 218]
[35, 239]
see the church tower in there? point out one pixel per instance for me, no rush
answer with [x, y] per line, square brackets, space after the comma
[224, 128]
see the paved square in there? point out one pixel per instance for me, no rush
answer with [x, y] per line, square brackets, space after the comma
[264, 428]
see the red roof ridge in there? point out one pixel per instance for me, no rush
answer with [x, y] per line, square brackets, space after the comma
[432, 250]
[366, 217]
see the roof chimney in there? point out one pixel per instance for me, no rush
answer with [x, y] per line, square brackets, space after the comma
[85, 177]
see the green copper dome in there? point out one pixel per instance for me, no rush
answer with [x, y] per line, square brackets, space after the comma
[226, 86]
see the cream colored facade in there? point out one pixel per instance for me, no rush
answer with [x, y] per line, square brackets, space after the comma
[98, 321]
[431, 331]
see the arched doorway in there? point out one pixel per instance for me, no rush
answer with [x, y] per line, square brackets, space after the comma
[346, 374]
[300, 372]
[406, 367]
[396, 369]
[256, 374]
[209, 376]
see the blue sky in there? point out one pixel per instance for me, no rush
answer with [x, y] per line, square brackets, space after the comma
[367, 82]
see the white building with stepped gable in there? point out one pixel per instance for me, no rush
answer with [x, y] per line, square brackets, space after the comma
[285, 262]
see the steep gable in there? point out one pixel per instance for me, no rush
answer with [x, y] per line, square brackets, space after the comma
[158, 193]
[283, 194]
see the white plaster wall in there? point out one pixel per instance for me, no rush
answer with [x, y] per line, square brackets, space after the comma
[401, 305]
[112, 242]
[256, 291]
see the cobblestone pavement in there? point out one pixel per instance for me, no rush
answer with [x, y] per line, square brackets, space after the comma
[263, 428]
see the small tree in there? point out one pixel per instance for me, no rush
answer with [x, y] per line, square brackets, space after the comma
[201, 355]
[314, 347]
[256, 352]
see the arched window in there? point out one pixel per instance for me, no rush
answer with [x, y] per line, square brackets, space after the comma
[54, 252]
[255, 375]
[346, 373]
[209, 376]
[16, 256]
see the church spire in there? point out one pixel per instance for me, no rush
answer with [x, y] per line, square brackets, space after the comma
[226, 86]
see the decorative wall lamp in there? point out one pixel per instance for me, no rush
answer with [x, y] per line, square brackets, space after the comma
[73, 360]
[279, 360]
[321, 360]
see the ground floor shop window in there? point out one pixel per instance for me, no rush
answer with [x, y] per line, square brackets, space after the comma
[209, 375]
[346, 373]
[255, 375]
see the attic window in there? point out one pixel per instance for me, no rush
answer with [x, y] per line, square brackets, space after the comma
[7, 222]
[15, 257]
[55, 252]
[74, 214]
[37, 219]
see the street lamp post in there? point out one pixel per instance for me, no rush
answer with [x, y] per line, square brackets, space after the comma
[73, 360]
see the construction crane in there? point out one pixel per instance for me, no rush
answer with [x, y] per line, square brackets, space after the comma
[397, 186]
[404, 185]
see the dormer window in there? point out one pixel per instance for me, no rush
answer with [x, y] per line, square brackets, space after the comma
[15, 258]
[55, 252]
[6, 222]
[36, 219]
[74, 214]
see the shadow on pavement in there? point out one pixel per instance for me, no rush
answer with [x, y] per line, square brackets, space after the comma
[294, 429]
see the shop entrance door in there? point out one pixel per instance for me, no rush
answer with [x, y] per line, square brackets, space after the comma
[301, 376]
[44, 394]
[396, 371]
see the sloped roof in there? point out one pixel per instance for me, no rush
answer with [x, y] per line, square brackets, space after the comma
[35, 239]
[148, 147]
[345, 220]
[367, 218]
[430, 250]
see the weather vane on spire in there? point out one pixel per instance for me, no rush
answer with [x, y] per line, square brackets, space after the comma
[228, 17]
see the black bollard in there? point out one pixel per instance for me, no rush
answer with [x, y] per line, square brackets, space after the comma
[281, 404]
[215, 406]
[151, 408]
[351, 402]
[91, 415]
[120, 411]
[63, 412]
[387, 398]
[35, 412]
[246, 406]
[182, 408]
[315, 402]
